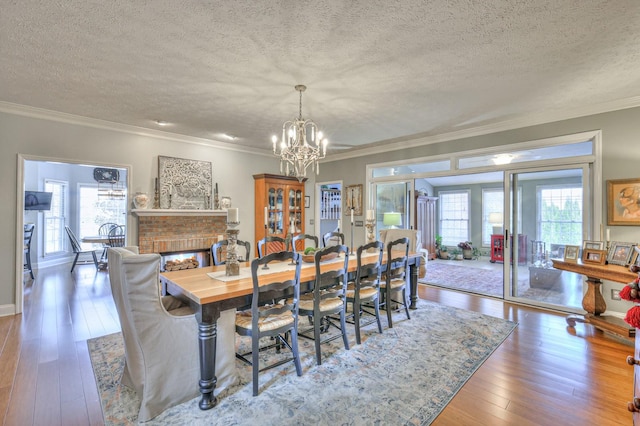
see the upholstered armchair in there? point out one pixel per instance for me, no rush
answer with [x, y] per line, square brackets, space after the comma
[161, 336]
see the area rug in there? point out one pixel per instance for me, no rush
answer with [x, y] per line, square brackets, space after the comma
[406, 375]
[488, 282]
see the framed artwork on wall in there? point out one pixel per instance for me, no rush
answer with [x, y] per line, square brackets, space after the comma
[184, 184]
[623, 202]
[353, 199]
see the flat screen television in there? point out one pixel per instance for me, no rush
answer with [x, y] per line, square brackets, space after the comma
[37, 200]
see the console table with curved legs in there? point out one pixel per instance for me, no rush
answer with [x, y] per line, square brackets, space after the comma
[593, 302]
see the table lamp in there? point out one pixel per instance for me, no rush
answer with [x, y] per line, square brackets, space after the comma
[392, 219]
[495, 219]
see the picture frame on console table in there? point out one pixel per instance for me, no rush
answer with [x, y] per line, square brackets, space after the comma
[621, 253]
[623, 202]
[595, 245]
[594, 256]
[571, 253]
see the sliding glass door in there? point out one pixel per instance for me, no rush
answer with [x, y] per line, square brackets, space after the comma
[552, 207]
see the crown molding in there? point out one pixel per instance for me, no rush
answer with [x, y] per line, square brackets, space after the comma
[516, 123]
[61, 117]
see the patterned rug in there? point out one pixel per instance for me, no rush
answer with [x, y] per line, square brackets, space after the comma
[465, 277]
[406, 375]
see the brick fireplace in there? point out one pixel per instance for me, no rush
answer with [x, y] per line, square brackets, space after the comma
[179, 231]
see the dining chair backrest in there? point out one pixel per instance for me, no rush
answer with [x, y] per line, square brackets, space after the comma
[28, 234]
[272, 244]
[332, 238]
[75, 243]
[395, 276]
[266, 293]
[105, 228]
[301, 241]
[116, 236]
[216, 251]
[330, 283]
[369, 269]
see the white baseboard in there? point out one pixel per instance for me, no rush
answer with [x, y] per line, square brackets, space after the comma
[6, 310]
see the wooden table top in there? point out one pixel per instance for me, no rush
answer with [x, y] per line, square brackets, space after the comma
[616, 273]
[196, 285]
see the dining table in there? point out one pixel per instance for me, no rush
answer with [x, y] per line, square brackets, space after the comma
[209, 291]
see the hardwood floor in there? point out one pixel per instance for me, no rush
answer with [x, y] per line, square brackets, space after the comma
[542, 374]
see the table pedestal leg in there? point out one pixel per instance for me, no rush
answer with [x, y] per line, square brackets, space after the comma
[207, 317]
[414, 270]
[594, 304]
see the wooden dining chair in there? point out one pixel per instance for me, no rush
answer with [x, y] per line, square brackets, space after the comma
[272, 244]
[363, 292]
[266, 319]
[77, 248]
[332, 238]
[104, 230]
[116, 236]
[394, 281]
[28, 235]
[326, 299]
[303, 241]
[216, 251]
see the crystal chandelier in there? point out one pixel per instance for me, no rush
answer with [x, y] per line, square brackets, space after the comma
[300, 144]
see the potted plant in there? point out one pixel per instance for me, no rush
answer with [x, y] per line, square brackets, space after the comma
[438, 241]
[456, 254]
[467, 249]
[443, 253]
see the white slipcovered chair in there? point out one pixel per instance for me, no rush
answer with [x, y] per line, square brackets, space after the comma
[415, 244]
[161, 336]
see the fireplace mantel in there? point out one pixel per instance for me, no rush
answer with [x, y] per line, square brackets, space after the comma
[177, 212]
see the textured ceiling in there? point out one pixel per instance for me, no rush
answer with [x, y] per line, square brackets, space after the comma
[376, 71]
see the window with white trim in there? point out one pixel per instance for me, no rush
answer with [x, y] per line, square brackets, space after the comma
[454, 217]
[55, 218]
[560, 214]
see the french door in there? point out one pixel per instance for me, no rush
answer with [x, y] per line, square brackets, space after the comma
[554, 207]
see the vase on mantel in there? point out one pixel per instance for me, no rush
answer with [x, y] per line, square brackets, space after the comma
[141, 200]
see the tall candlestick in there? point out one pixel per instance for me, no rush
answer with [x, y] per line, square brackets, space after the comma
[608, 235]
[232, 215]
[266, 216]
[601, 236]
[156, 184]
[351, 215]
[216, 188]
[338, 224]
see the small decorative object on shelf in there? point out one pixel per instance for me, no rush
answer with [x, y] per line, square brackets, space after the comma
[232, 266]
[141, 200]
[225, 202]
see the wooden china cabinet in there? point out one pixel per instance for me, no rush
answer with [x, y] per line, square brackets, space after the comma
[425, 218]
[283, 198]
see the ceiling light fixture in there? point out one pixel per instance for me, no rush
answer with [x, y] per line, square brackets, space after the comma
[503, 159]
[300, 145]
